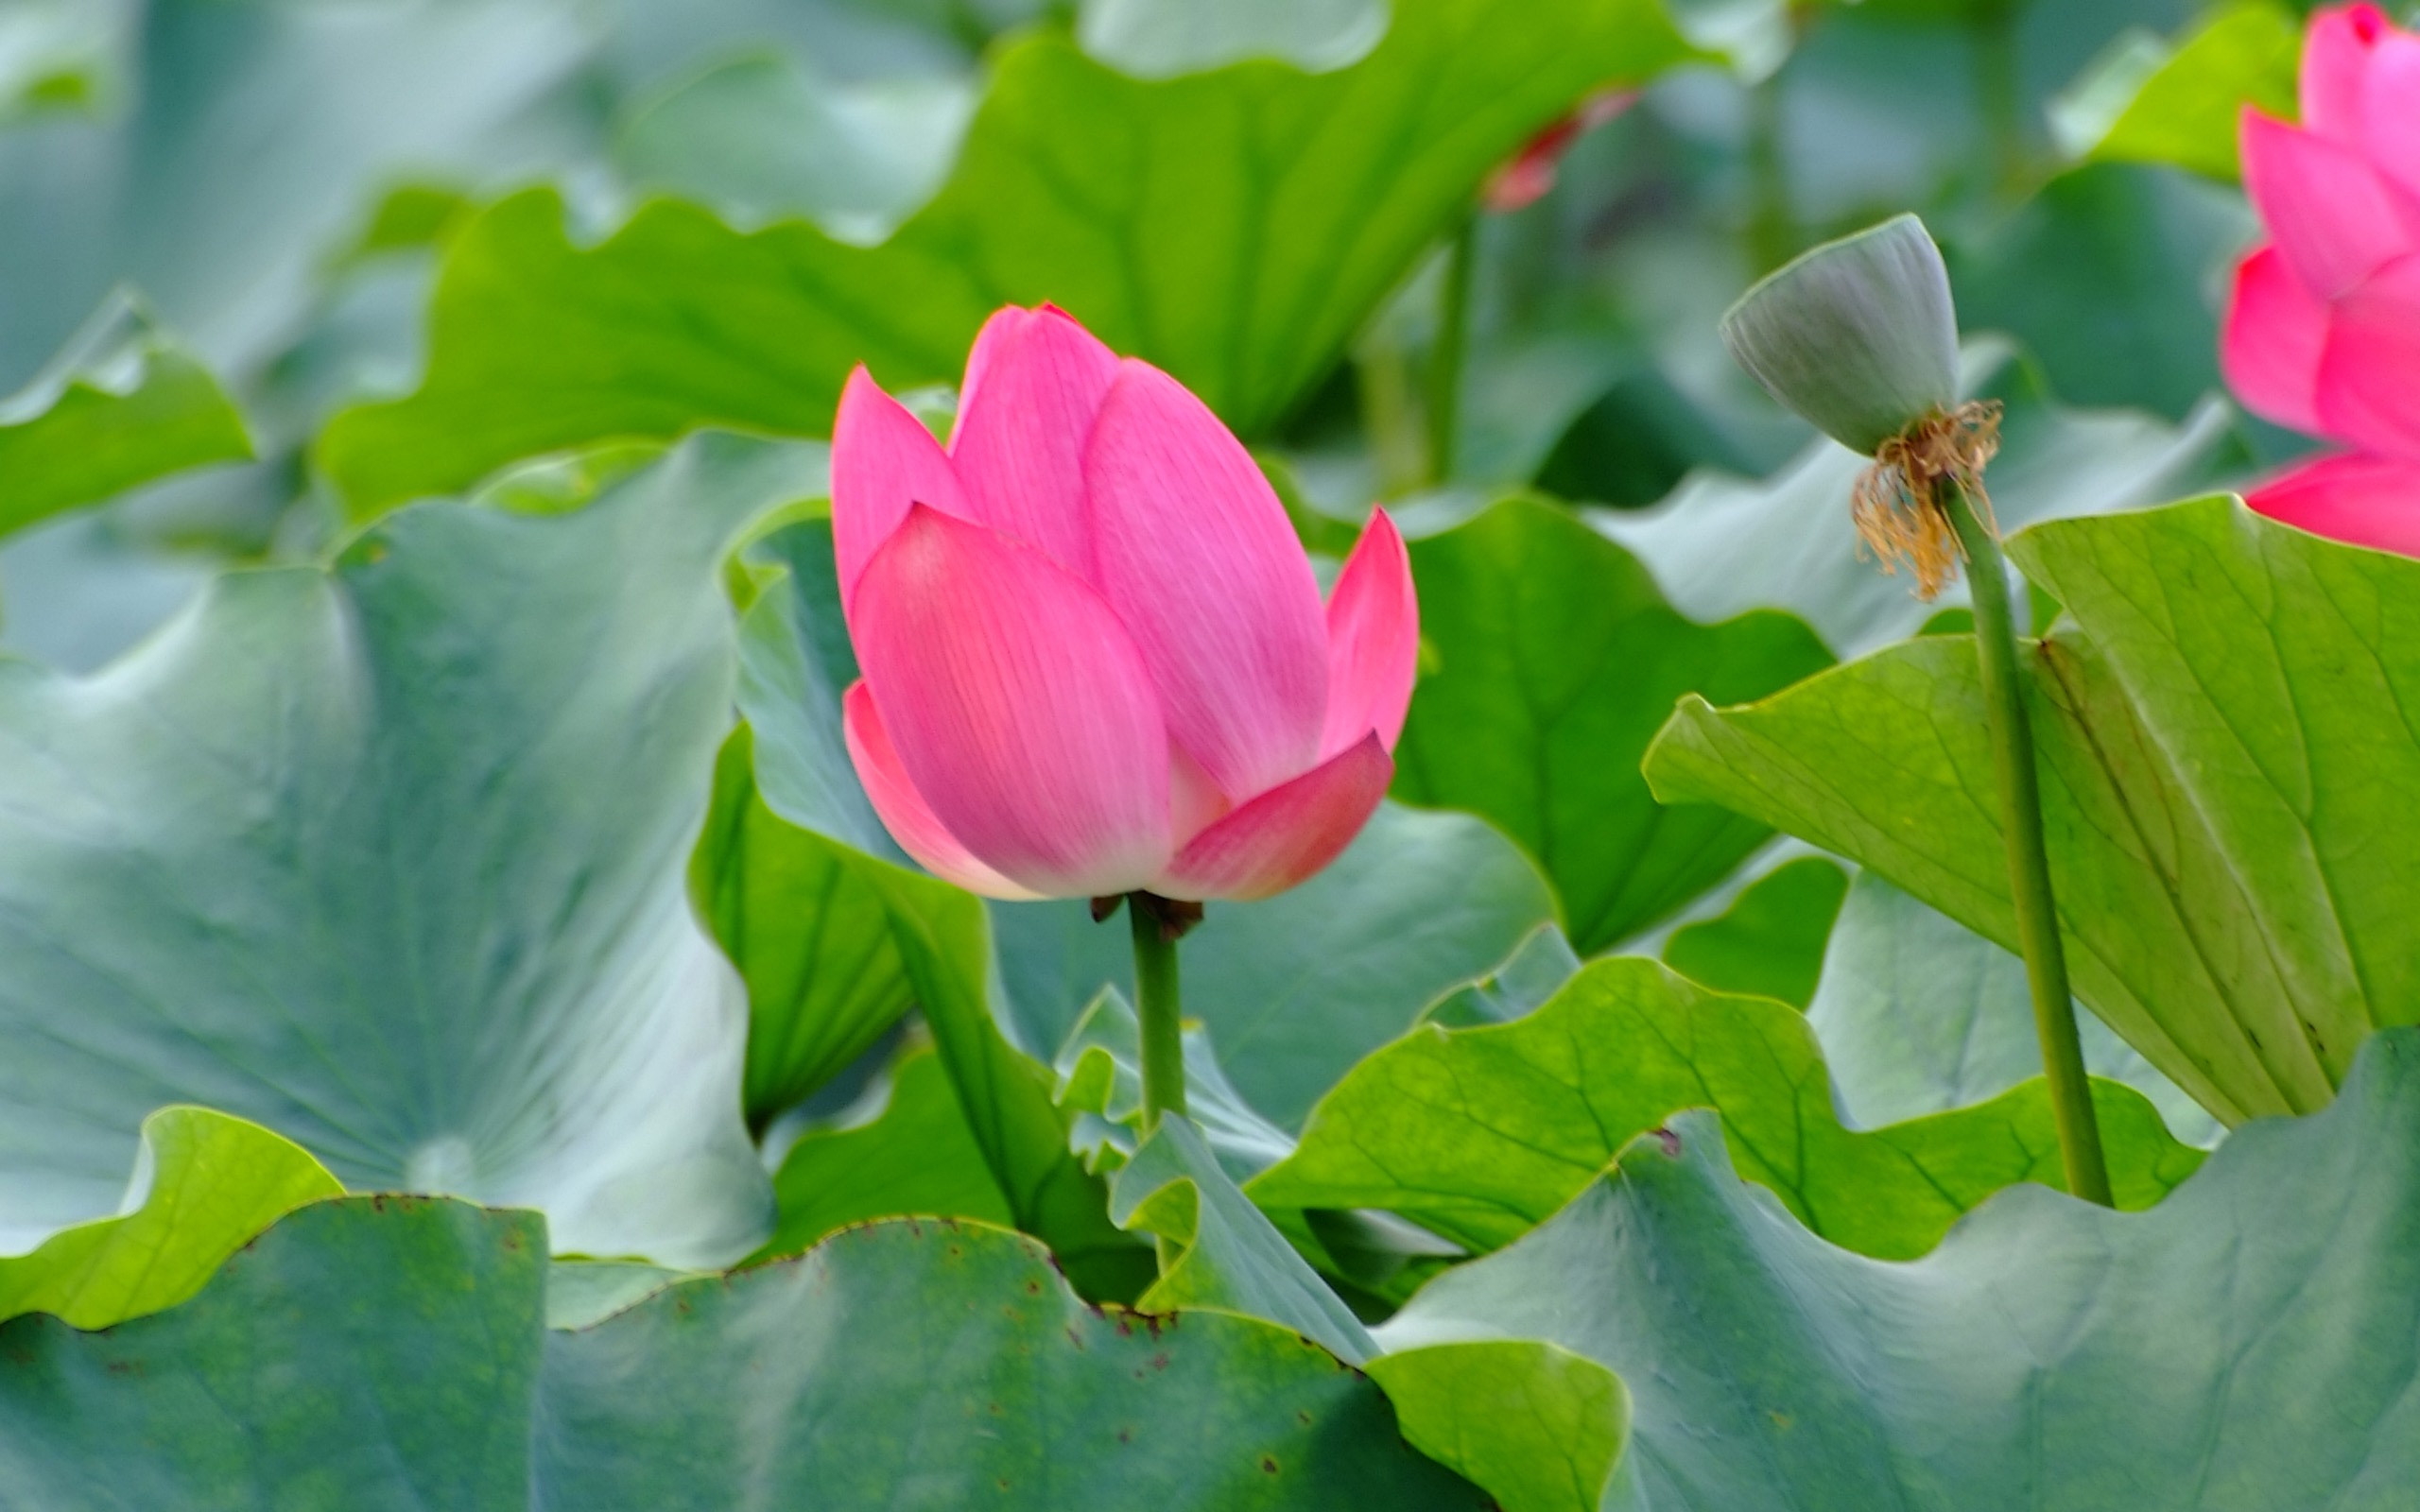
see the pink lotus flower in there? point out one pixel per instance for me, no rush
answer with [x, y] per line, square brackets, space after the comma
[2322, 333]
[1096, 659]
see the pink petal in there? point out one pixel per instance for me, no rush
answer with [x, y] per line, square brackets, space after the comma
[2336, 61]
[1373, 640]
[2368, 391]
[2390, 110]
[883, 460]
[2331, 217]
[1018, 707]
[1033, 383]
[1192, 549]
[2363, 500]
[1288, 834]
[903, 810]
[2275, 331]
[1195, 803]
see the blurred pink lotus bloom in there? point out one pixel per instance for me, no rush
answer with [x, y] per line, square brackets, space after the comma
[2322, 333]
[1524, 179]
[1095, 657]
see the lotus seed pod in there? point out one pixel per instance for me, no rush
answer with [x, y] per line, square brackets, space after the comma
[1858, 335]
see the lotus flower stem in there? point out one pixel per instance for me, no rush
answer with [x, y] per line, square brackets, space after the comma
[1446, 356]
[2028, 864]
[1160, 1006]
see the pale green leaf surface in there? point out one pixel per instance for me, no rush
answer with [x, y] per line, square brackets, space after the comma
[388, 857]
[913, 1365]
[204, 1184]
[583, 1291]
[1480, 1134]
[2227, 771]
[1555, 662]
[1234, 227]
[2246, 1345]
[1918, 1014]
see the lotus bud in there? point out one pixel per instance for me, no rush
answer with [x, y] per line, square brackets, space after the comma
[1097, 659]
[1860, 336]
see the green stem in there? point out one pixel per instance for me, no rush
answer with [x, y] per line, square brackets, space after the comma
[1446, 359]
[1157, 1003]
[2028, 862]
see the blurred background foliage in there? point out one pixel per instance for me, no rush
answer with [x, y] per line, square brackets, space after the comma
[266, 187]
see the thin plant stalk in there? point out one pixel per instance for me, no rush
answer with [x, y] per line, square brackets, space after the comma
[2028, 864]
[1446, 356]
[1160, 1006]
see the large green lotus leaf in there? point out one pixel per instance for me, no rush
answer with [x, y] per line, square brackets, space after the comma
[918, 1157]
[1298, 987]
[383, 1354]
[1554, 661]
[2245, 1346]
[1478, 1134]
[388, 857]
[795, 661]
[1722, 545]
[204, 1184]
[1234, 227]
[1919, 1014]
[121, 405]
[2226, 779]
[2149, 100]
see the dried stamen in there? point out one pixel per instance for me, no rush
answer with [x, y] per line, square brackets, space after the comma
[1898, 510]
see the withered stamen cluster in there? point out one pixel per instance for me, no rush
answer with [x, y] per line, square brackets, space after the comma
[1899, 508]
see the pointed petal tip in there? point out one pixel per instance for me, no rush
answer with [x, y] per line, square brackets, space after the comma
[883, 460]
[1374, 639]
